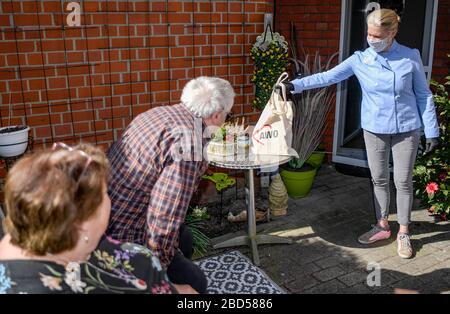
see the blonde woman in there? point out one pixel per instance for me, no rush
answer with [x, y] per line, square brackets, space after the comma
[396, 103]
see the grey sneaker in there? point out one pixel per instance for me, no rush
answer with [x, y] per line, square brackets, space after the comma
[404, 247]
[377, 233]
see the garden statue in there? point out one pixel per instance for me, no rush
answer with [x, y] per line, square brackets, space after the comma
[278, 197]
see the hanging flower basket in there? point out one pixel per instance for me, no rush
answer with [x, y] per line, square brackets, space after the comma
[13, 140]
[270, 57]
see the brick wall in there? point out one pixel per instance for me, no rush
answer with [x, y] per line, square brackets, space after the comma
[317, 23]
[318, 28]
[87, 83]
[441, 63]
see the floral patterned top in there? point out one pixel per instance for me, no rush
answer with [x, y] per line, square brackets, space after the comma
[113, 267]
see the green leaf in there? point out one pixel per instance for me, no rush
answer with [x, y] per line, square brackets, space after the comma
[421, 170]
[54, 272]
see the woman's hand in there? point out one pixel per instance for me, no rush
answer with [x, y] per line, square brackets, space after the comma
[289, 87]
[185, 289]
[431, 145]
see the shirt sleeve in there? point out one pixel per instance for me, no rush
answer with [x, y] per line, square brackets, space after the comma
[337, 74]
[424, 97]
[169, 200]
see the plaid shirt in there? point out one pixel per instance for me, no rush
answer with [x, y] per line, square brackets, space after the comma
[150, 189]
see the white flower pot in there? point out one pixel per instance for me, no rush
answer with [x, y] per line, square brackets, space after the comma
[13, 143]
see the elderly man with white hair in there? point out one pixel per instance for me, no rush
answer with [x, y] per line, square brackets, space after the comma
[153, 181]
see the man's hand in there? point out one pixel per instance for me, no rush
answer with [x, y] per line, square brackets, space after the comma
[289, 87]
[185, 289]
[431, 145]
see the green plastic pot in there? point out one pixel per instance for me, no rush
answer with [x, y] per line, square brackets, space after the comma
[298, 183]
[316, 159]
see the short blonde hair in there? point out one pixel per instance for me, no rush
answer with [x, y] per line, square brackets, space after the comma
[206, 95]
[49, 194]
[386, 19]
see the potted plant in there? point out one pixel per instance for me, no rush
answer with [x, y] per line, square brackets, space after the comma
[270, 57]
[311, 108]
[432, 171]
[317, 157]
[13, 139]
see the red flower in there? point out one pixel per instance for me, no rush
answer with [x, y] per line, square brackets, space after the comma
[444, 217]
[432, 187]
[443, 176]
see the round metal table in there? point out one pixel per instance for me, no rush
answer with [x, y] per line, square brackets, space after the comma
[250, 163]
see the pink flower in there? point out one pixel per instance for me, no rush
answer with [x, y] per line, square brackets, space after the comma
[432, 187]
[443, 176]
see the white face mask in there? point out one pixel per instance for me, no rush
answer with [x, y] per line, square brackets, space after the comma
[378, 45]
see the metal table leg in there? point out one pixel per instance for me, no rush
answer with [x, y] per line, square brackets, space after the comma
[252, 239]
[251, 216]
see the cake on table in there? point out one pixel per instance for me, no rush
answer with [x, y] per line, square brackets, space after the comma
[230, 139]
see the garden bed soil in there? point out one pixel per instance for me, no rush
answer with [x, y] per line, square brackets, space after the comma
[304, 168]
[219, 225]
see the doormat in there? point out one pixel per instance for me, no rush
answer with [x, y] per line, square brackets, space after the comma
[234, 273]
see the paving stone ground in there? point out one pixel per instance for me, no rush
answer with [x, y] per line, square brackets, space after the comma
[326, 257]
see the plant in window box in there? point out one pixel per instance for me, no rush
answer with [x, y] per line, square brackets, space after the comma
[311, 109]
[432, 171]
[270, 57]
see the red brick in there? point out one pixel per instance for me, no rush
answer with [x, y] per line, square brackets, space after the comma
[4, 20]
[53, 45]
[82, 115]
[76, 81]
[38, 120]
[58, 108]
[75, 57]
[55, 94]
[62, 130]
[55, 83]
[81, 127]
[179, 18]
[32, 19]
[73, 32]
[90, 6]
[11, 6]
[56, 58]
[53, 6]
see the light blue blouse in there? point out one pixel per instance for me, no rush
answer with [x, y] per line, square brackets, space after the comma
[396, 97]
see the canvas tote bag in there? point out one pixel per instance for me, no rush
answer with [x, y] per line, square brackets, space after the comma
[272, 135]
